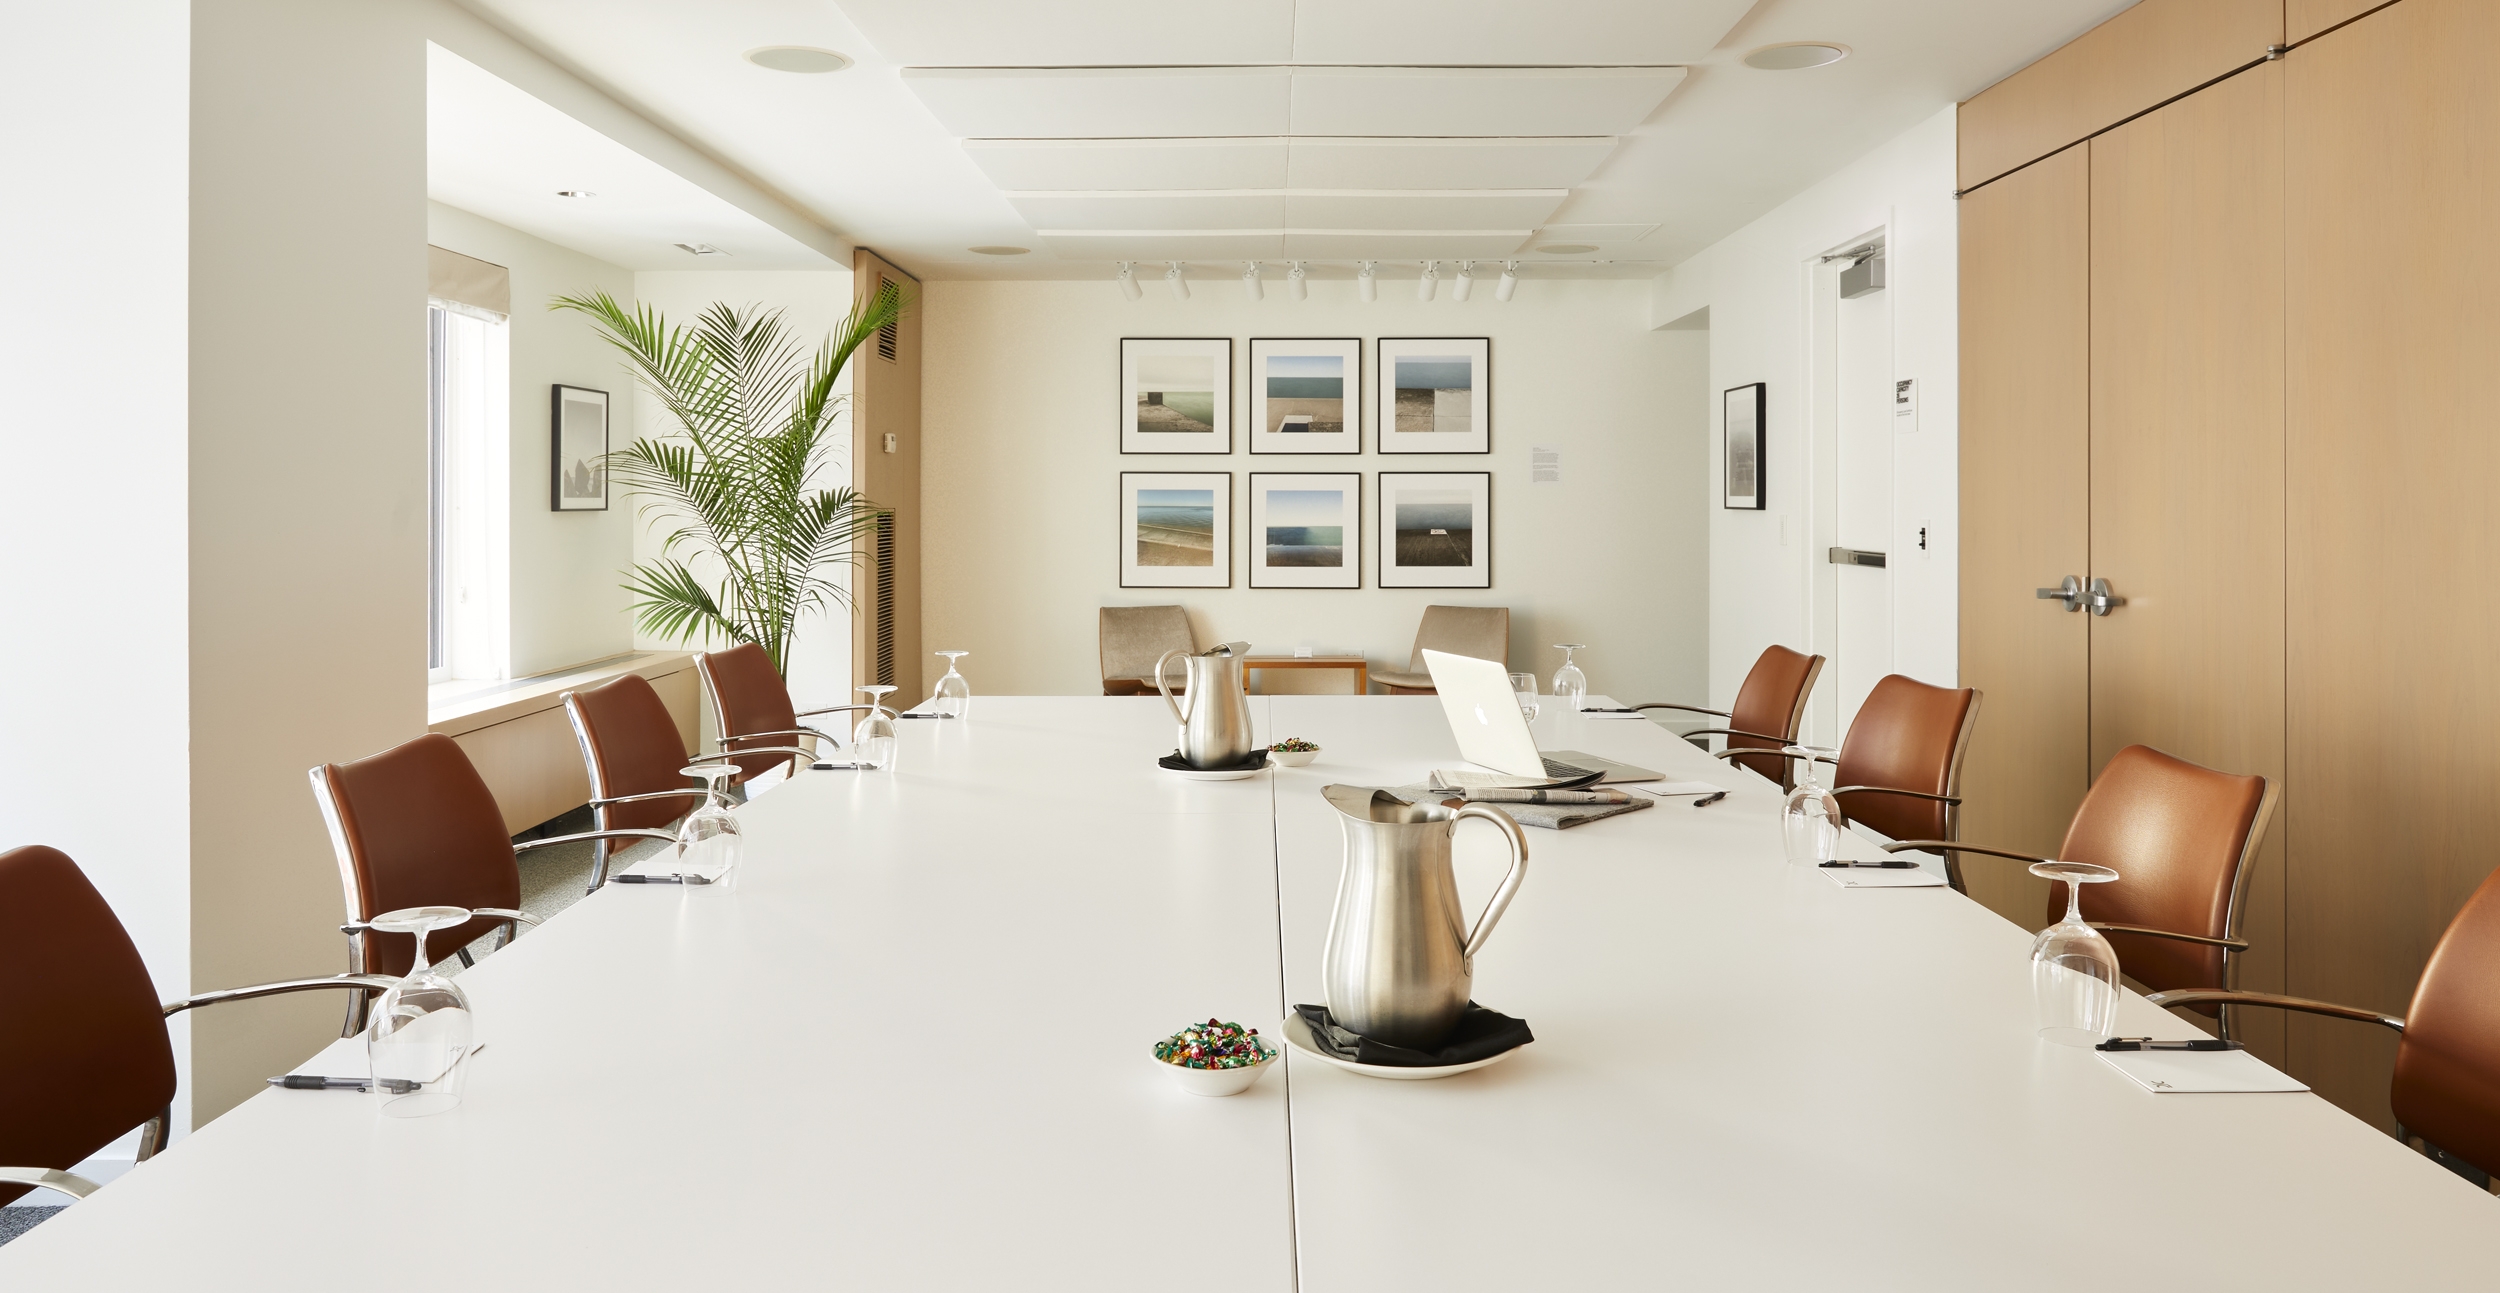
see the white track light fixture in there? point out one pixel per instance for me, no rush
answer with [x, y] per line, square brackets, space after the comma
[1250, 282]
[1295, 285]
[1466, 281]
[1431, 280]
[1510, 281]
[1365, 285]
[1128, 280]
[1172, 279]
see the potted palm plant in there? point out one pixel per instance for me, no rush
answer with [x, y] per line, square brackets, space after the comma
[752, 539]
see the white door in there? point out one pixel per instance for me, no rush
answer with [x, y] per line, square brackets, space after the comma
[1851, 556]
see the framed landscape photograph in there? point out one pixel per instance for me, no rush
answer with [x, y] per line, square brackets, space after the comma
[1435, 395]
[577, 436]
[1306, 396]
[1306, 529]
[1436, 529]
[1744, 409]
[1176, 395]
[1176, 529]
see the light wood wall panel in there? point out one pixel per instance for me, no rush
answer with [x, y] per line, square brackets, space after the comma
[2303, 19]
[2187, 454]
[2026, 458]
[2152, 52]
[886, 402]
[2393, 132]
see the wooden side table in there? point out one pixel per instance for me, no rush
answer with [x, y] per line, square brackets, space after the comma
[1361, 667]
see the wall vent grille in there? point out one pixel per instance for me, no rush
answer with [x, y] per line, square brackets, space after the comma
[885, 598]
[889, 337]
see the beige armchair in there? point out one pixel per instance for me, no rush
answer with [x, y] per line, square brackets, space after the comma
[1133, 638]
[1479, 631]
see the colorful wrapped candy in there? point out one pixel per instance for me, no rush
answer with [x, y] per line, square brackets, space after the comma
[1213, 1045]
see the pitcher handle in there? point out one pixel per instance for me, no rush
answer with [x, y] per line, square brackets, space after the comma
[1500, 901]
[1166, 688]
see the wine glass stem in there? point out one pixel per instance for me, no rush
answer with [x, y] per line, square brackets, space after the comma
[419, 964]
[2074, 902]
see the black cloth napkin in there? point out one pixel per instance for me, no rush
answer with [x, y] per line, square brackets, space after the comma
[1174, 761]
[1480, 1034]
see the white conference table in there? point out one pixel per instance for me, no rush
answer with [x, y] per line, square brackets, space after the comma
[911, 1051]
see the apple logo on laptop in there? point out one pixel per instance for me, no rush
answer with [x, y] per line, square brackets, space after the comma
[1481, 718]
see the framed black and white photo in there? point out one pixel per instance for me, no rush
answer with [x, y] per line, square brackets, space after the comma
[1436, 529]
[577, 434]
[1306, 396]
[1744, 407]
[1176, 395]
[1435, 395]
[1176, 529]
[1306, 529]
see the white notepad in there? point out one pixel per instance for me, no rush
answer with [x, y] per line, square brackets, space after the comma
[2173, 1072]
[1671, 789]
[1873, 878]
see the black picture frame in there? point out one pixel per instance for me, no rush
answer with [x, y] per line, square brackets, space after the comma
[1390, 572]
[1136, 572]
[577, 474]
[1477, 438]
[1255, 537]
[1348, 441]
[1744, 412]
[1215, 435]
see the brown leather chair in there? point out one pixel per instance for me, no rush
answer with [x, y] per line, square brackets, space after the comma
[2446, 1090]
[636, 760]
[1479, 631]
[1900, 767]
[83, 1052]
[1769, 707]
[753, 707]
[415, 826]
[2181, 838]
[1133, 638]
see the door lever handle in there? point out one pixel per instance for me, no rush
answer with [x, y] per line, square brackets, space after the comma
[2101, 600]
[2069, 592]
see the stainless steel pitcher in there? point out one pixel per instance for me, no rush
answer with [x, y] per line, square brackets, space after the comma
[1215, 725]
[1400, 961]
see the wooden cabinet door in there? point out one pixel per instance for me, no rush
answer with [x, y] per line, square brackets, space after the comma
[2187, 454]
[2393, 140]
[2026, 463]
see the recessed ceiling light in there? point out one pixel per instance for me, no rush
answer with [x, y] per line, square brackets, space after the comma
[998, 251]
[798, 58]
[575, 193]
[1795, 54]
[1568, 248]
[700, 249]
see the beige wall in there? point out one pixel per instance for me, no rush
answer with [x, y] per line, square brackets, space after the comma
[307, 483]
[1020, 478]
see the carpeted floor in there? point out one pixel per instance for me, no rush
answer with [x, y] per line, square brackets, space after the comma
[17, 1221]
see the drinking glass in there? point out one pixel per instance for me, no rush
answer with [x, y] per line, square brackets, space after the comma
[1569, 683]
[874, 743]
[710, 842]
[1811, 819]
[953, 697]
[1523, 685]
[2074, 972]
[421, 1035]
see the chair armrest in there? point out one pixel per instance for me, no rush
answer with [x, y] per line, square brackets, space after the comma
[1888, 790]
[619, 833]
[656, 794]
[1690, 709]
[778, 731]
[744, 751]
[835, 709]
[1948, 846]
[504, 914]
[1784, 742]
[2225, 997]
[2234, 944]
[362, 982]
[45, 1178]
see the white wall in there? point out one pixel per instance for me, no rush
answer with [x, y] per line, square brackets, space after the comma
[812, 303]
[1754, 285]
[1020, 467]
[567, 568]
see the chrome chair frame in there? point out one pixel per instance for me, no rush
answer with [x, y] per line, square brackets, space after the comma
[600, 852]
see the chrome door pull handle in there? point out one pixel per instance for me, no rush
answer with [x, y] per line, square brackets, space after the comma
[1855, 557]
[2101, 600]
[2069, 592]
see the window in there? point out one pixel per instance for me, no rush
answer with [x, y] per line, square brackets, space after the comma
[468, 408]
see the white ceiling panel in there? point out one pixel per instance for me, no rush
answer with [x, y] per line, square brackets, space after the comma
[1205, 209]
[1106, 103]
[1420, 208]
[1027, 164]
[1099, 33]
[1505, 33]
[1165, 244]
[1402, 244]
[1444, 102]
[1357, 163]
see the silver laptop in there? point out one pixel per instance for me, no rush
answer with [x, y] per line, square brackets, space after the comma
[1484, 717]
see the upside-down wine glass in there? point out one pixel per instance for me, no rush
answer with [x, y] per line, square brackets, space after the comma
[1523, 685]
[710, 843]
[2074, 971]
[874, 743]
[1810, 819]
[953, 697]
[1569, 683]
[421, 1034]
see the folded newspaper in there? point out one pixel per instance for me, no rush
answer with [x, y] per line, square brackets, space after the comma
[1547, 816]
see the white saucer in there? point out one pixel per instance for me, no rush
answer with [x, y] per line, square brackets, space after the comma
[1298, 1036]
[1218, 774]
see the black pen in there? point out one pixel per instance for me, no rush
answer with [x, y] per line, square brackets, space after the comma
[916, 714]
[1706, 800]
[314, 1082]
[633, 878]
[1888, 864]
[2148, 1044]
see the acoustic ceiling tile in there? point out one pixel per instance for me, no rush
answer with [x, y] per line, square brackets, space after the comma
[1103, 103]
[1447, 101]
[1402, 244]
[1504, 33]
[1165, 244]
[1131, 209]
[1353, 162]
[1098, 33]
[1092, 164]
[1420, 209]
